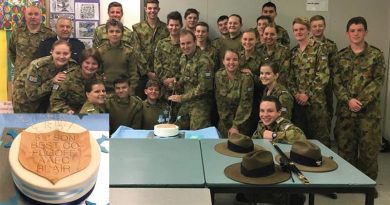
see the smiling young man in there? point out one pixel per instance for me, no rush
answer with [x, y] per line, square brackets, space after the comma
[64, 28]
[358, 80]
[24, 40]
[119, 59]
[124, 109]
[191, 17]
[196, 79]
[115, 11]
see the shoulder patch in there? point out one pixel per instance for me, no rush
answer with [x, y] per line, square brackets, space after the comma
[279, 120]
[34, 79]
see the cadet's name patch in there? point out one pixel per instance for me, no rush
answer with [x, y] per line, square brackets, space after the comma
[250, 89]
[207, 74]
[33, 79]
[324, 57]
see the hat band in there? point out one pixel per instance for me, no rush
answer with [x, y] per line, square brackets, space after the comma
[236, 148]
[259, 172]
[303, 160]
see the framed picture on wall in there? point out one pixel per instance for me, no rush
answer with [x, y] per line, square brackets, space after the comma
[85, 29]
[62, 6]
[87, 11]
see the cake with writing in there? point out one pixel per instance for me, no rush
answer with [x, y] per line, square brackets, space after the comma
[55, 162]
[166, 130]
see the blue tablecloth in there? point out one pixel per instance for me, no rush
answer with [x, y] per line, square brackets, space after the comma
[127, 132]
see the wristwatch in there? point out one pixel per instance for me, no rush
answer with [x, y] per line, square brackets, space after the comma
[273, 135]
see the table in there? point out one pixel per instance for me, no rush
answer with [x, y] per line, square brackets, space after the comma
[127, 132]
[155, 163]
[345, 179]
[160, 196]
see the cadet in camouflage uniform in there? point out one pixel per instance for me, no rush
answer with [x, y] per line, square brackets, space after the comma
[274, 127]
[197, 82]
[358, 80]
[124, 109]
[269, 75]
[96, 96]
[233, 42]
[154, 110]
[203, 42]
[234, 96]
[119, 59]
[70, 95]
[272, 51]
[250, 61]
[269, 9]
[115, 11]
[318, 25]
[32, 88]
[25, 40]
[309, 74]
[147, 34]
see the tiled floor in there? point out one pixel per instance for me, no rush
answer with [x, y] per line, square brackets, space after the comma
[383, 187]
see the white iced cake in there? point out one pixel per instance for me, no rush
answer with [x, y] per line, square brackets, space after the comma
[55, 162]
[166, 130]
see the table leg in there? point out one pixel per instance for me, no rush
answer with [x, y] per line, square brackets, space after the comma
[311, 198]
[370, 197]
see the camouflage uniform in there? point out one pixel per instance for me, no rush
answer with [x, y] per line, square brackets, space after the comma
[70, 94]
[197, 80]
[358, 134]
[89, 108]
[167, 59]
[34, 85]
[332, 58]
[23, 46]
[151, 113]
[281, 55]
[119, 61]
[286, 132]
[285, 98]
[282, 36]
[147, 38]
[234, 101]
[127, 112]
[100, 36]
[253, 62]
[212, 52]
[309, 74]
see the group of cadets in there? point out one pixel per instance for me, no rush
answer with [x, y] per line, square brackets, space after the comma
[186, 79]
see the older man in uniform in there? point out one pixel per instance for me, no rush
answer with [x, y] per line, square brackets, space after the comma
[64, 27]
[358, 80]
[25, 40]
[197, 81]
[309, 75]
[115, 11]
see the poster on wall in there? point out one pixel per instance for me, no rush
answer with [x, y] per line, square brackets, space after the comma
[84, 13]
[12, 12]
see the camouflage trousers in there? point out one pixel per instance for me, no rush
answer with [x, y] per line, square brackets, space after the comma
[359, 141]
[313, 120]
[329, 101]
[194, 115]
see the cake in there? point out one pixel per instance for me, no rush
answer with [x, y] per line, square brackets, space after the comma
[55, 162]
[166, 130]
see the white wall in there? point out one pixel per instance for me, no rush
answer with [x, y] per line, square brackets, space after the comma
[131, 11]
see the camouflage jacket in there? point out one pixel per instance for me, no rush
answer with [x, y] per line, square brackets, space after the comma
[282, 36]
[359, 76]
[280, 54]
[89, 108]
[147, 38]
[100, 36]
[196, 76]
[23, 46]
[127, 112]
[34, 85]
[167, 59]
[70, 94]
[252, 62]
[309, 71]
[285, 98]
[234, 98]
[119, 61]
[286, 131]
[151, 113]
[212, 52]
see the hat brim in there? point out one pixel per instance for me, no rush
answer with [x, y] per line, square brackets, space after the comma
[234, 172]
[328, 164]
[223, 149]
